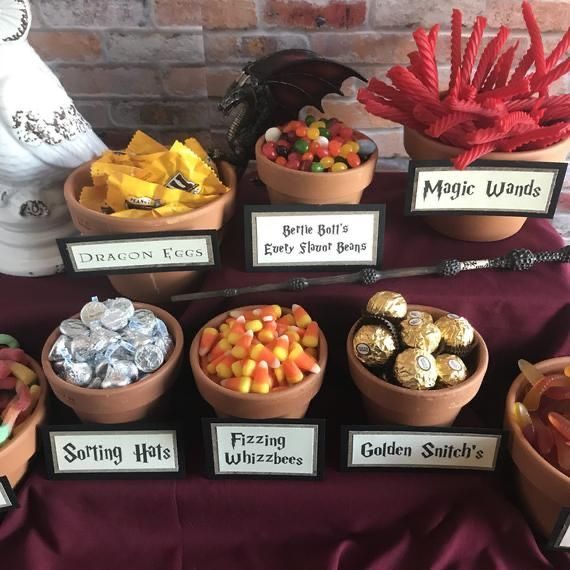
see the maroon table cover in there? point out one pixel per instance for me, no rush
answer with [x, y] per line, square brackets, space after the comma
[374, 520]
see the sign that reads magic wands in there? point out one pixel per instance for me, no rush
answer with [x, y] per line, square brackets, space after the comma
[369, 447]
[140, 253]
[112, 452]
[313, 237]
[486, 187]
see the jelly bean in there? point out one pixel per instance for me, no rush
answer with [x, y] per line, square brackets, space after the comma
[224, 367]
[327, 161]
[323, 141]
[306, 165]
[314, 146]
[281, 160]
[324, 132]
[311, 336]
[317, 167]
[291, 137]
[282, 151]
[334, 147]
[23, 373]
[319, 125]
[302, 318]
[294, 156]
[339, 167]
[355, 146]
[346, 133]
[294, 164]
[260, 352]
[301, 131]
[241, 384]
[307, 156]
[310, 119]
[269, 150]
[261, 381]
[334, 130]
[345, 150]
[207, 340]
[353, 159]
[290, 127]
[281, 348]
[367, 147]
[241, 347]
[322, 152]
[293, 374]
[313, 133]
[272, 134]
[301, 146]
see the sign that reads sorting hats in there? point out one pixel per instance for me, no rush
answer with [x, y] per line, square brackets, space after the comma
[8, 499]
[486, 187]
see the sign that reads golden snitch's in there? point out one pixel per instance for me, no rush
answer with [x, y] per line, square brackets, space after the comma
[528, 189]
[140, 253]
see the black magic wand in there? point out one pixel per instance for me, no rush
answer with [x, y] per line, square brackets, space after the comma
[515, 260]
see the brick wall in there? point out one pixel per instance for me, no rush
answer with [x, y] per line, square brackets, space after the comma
[162, 65]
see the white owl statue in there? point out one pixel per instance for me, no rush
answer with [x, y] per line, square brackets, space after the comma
[42, 138]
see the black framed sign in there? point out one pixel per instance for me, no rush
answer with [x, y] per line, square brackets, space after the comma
[316, 238]
[370, 447]
[264, 449]
[560, 538]
[140, 253]
[8, 498]
[486, 187]
[112, 452]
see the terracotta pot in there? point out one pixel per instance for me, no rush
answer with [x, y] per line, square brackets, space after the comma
[150, 287]
[290, 403]
[287, 186]
[386, 403]
[477, 228]
[119, 405]
[16, 454]
[544, 490]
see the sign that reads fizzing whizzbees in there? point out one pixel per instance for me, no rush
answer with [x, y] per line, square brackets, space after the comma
[485, 187]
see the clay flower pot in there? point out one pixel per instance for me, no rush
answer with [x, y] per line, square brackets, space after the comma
[287, 186]
[290, 403]
[543, 489]
[128, 403]
[387, 403]
[477, 228]
[150, 287]
[16, 454]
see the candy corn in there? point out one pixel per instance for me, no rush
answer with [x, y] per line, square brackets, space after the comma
[261, 381]
[311, 336]
[224, 366]
[207, 340]
[241, 347]
[260, 352]
[241, 384]
[281, 348]
[302, 318]
[293, 373]
[236, 330]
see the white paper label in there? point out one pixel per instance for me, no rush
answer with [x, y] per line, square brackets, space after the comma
[152, 451]
[265, 449]
[561, 539]
[422, 449]
[482, 188]
[4, 499]
[140, 253]
[311, 239]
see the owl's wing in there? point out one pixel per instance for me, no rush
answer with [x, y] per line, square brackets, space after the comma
[40, 116]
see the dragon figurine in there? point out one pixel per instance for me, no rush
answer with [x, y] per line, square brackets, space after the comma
[272, 90]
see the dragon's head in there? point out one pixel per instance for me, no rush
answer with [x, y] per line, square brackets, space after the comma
[242, 91]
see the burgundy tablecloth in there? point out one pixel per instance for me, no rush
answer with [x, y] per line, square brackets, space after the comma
[382, 520]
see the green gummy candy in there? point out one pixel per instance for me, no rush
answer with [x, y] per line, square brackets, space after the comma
[9, 341]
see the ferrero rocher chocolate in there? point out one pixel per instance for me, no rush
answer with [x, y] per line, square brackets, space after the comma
[451, 370]
[373, 345]
[419, 315]
[415, 369]
[387, 304]
[417, 333]
[456, 333]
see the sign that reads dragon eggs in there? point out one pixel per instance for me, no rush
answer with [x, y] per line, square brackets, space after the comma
[8, 499]
[486, 187]
[105, 451]
[140, 253]
[264, 448]
[313, 237]
[442, 448]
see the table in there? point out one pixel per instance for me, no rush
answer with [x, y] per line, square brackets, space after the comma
[381, 520]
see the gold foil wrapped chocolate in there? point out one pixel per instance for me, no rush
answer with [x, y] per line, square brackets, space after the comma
[451, 370]
[415, 369]
[373, 345]
[419, 315]
[417, 333]
[456, 333]
[387, 304]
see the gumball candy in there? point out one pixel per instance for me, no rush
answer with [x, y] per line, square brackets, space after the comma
[324, 132]
[307, 156]
[353, 159]
[334, 148]
[339, 167]
[273, 134]
[322, 152]
[327, 161]
[323, 141]
[301, 131]
[269, 150]
[313, 133]
[346, 133]
[301, 146]
[317, 167]
[306, 165]
[345, 150]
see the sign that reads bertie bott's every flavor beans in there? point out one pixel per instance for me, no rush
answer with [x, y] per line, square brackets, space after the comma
[313, 237]
[264, 449]
[443, 448]
[78, 452]
[486, 187]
